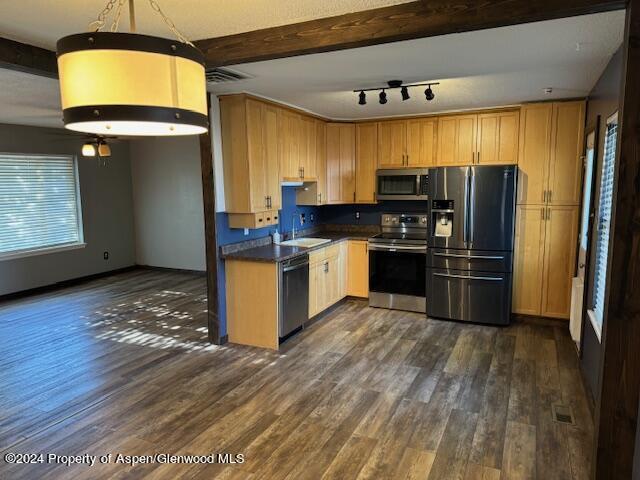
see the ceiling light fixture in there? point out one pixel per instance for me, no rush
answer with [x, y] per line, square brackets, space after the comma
[89, 150]
[104, 150]
[393, 84]
[131, 84]
[428, 93]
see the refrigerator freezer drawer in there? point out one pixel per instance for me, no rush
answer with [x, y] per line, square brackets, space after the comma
[471, 296]
[476, 260]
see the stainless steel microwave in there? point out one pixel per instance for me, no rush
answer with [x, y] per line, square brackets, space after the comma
[402, 184]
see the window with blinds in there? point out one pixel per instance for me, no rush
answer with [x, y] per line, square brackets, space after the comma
[39, 207]
[604, 219]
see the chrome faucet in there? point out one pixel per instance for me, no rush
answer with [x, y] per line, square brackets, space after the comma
[293, 230]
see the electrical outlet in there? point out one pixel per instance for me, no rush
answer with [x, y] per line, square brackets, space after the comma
[311, 217]
[105, 255]
[357, 215]
[302, 219]
[246, 231]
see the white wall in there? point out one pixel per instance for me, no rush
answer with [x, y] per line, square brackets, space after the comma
[167, 202]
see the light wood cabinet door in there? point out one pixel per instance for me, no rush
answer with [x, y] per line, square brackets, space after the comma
[316, 288]
[321, 162]
[340, 163]
[256, 155]
[456, 140]
[498, 138]
[392, 139]
[528, 259]
[272, 169]
[334, 281]
[289, 128]
[308, 147]
[565, 166]
[421, 142]
[357, 269]
[534, 152]
[366, 162]
[561, 238]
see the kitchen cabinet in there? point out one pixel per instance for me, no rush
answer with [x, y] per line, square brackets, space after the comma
[325, 278]
[289, 128]
[308, 148]
[498, 138]
[421, 142]
[252, 322]
[250, 155]
[392, 138]
[550, 157]
[340, 160]
[315, 193]
[357, 269]
[366, 162]
[456, 140]
[545, 248]
[254, 220]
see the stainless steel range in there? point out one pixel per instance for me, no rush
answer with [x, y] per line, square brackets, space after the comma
[397, 263]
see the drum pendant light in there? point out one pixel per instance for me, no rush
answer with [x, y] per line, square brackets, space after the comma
[130, 84]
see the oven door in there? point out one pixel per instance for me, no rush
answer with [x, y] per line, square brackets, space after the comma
[409, 184]
[397, 269]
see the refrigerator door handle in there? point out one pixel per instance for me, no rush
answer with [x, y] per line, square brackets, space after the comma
[471, 203]
[465, 219]
[472, 257]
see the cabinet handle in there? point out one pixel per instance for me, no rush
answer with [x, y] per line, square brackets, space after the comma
[326, 267]
[550, 193]
[320, 197]
[548, 214]
[542, 213]
[478, 157]
[407, 159]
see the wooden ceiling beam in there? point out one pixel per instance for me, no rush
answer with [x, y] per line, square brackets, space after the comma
[27, 58]
[389, 24]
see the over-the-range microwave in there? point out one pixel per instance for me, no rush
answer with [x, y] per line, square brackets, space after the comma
[402, 184]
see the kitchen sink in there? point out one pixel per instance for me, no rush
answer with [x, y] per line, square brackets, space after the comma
[305, 242]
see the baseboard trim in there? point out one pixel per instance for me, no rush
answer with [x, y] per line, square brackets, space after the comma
[202, 273]
[64, 284]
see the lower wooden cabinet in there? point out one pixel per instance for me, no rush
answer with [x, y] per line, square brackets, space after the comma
[325, 284]
[544, 263]
[357, 269]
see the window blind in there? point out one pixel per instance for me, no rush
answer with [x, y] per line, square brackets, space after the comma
[604, 219]
[38, 202]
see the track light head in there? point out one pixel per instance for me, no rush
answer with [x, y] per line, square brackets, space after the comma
[428, 93]
[383, 97]
[362, 98]
[404, 91]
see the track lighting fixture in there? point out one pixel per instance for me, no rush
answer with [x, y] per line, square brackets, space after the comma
[404, 91]
[428, 93]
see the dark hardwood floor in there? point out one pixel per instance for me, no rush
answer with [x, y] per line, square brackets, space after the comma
[122, 365]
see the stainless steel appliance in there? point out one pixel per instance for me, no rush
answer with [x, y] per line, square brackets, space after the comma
[397, 262]
[402, 184]
[294, 294]
[470, 256]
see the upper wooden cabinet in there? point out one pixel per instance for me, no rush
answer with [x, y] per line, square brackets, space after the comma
[457, 140]
[289, 128]
[407, 143]
[498, 138]
[250, 154]
[550, 168]
[366, 162]
[308, 148]
[341, 163]
[421, 142]
[392, 138]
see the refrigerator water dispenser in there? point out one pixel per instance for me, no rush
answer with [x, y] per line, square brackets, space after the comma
[442, 218]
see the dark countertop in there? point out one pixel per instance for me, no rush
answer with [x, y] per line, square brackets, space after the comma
[280, 253]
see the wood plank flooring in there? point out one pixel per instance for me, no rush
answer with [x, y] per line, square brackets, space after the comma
[122, 365]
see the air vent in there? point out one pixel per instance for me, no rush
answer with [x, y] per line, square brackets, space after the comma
[224, 75]
[562, 414]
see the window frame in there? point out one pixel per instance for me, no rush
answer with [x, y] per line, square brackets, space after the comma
[44, 250]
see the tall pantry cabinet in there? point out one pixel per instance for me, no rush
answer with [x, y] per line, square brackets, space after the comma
[549, 180]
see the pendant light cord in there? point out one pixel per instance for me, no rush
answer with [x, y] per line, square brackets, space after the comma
[101, 21]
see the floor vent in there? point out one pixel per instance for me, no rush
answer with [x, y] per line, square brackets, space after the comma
[562, 414]
[224, 75]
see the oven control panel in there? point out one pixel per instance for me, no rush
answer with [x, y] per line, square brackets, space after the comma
[407, 220]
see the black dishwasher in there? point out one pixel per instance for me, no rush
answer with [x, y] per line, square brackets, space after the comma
[294, 295]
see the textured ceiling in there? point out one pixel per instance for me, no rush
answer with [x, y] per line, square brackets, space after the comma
[486, 68]
[43, 22]
[500, 66]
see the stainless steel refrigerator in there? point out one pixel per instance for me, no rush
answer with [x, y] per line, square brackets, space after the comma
[470, 243]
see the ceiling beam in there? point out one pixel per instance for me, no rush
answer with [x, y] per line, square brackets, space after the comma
[389, 24]
[27, 58]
